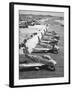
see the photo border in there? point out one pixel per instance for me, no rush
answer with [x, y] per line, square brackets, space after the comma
[11, 42]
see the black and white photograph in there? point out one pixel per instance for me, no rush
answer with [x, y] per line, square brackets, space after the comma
[41, 44]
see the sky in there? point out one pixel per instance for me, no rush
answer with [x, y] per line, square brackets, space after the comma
[41, 13]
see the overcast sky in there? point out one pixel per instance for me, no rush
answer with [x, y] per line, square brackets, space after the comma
[41, 13]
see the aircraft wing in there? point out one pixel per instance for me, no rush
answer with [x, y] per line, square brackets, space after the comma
[40, 50]
[31, 65]
[47, 42]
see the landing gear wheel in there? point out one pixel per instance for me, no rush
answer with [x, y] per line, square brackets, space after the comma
[37, 68]
[51, 66]
[55, 51]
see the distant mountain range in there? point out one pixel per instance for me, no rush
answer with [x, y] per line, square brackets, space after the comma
[36, 17]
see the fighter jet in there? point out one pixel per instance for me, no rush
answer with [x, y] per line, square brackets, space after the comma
[40, 62]
[47, 46]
